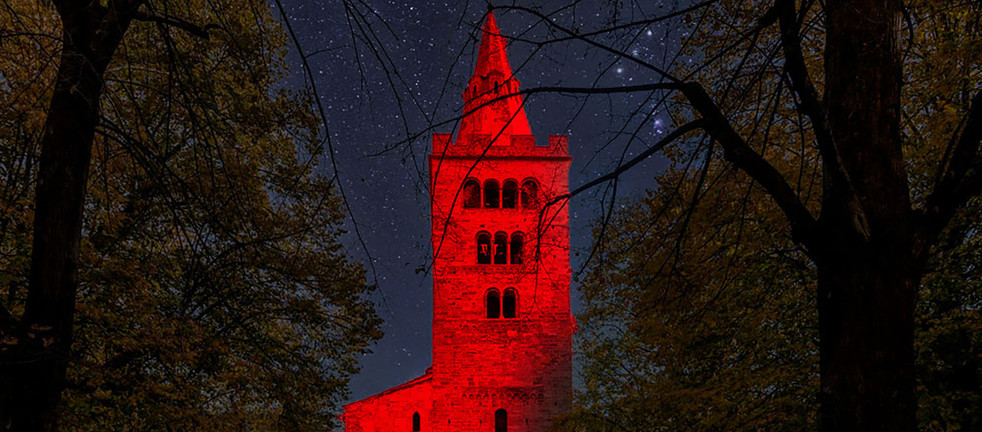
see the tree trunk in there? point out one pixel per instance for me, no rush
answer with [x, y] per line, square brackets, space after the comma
[866, 281]
[34, 367]
[866, 331]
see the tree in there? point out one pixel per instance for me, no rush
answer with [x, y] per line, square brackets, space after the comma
[699, 318]
[704, 318]
[203, 255]
[855, 89]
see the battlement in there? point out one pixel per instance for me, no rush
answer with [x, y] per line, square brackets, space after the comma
[476, 145]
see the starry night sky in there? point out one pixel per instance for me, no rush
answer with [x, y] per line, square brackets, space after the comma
[429, 49]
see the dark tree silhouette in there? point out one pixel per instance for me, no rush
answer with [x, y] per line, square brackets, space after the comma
[206, 250]
[34, 366]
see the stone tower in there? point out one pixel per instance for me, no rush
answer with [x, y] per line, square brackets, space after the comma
[502, 326]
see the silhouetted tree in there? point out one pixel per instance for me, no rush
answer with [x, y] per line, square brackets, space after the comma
[195, 280]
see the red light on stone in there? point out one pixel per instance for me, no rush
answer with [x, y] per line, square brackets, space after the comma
[502, 326]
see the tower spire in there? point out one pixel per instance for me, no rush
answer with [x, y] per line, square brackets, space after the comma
[493, 79]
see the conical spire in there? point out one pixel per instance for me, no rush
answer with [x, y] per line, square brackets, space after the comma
[493, 79]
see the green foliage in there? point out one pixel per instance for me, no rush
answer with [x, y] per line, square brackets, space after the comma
[699, 320]
[214, 293]
[700, 310]
[949, 332]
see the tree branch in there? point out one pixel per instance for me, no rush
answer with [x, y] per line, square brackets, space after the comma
[794, 65]
[194, 29]
[735, 150]
[614, 28]
[739, 153]
[573, 34]
[962, 180]
[336, 178]
[433, 126]
[595, 90]
[676, 134]
[836, 176]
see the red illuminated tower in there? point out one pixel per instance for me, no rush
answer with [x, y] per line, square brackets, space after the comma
[502, 326]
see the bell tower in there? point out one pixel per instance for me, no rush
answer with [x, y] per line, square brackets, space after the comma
[501, 309]
[502, 328]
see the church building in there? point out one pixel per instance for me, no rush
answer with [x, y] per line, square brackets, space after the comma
[502, 327]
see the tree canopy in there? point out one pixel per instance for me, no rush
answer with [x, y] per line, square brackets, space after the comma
[213, 291]
[703, 304]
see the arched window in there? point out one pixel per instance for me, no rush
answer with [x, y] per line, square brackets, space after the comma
[472, 194]
[493, 303]
[501, 420]
[509, 303]
[500, 248]
[491, 193]
[415, 422]
[509, 194]
[517, 246]
[484, 248]
[530, 194]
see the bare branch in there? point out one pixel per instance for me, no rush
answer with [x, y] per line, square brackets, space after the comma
[674, 135]
[801, 83]
[434, 125]
[575, 35]
[598, 90]
[336, 179]
[607, 30]
[738, 152]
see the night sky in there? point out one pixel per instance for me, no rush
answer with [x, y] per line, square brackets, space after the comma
[432, 47]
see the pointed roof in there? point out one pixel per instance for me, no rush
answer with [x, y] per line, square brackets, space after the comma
[493, 78]
[492, 54]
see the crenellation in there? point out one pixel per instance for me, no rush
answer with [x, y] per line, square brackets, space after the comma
[559, 144]
[489, 147]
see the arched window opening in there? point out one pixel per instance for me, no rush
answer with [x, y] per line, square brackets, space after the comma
[509, 303]
[501, 420]
[509, 194]
[500, 248]
[530, 194]
[493, 303]
[472, 194]
[415, 422]
[517, 246]
[484, 248]
[491, 193]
